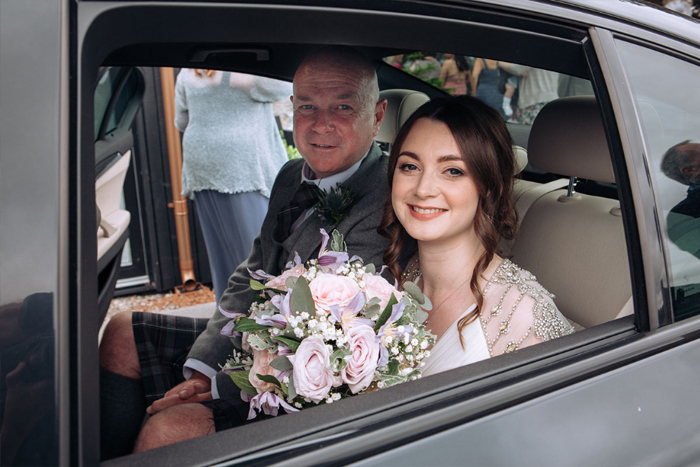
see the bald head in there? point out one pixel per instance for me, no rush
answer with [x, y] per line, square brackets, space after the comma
[337, 112]
[682, 162]
[344, 60]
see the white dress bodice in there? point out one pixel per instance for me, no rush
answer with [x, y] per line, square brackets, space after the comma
[447, 353]
[517, 312]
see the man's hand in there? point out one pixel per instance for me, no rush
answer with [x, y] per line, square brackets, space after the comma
[195, 389]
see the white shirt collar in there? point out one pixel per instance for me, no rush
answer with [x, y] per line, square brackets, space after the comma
[326, 184]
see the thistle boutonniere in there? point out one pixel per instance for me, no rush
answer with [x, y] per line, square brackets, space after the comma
[335, 205]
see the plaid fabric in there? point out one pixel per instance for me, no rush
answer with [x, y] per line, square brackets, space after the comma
[162, 344]
[305, 197]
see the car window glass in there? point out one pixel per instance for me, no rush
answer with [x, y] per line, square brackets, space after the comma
[103, 94]
[105, 90]
[517, 91]
[669, 107]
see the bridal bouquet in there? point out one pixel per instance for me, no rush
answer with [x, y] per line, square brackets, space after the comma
[324, 331]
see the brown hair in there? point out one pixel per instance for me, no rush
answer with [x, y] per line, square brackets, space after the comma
[487, 149]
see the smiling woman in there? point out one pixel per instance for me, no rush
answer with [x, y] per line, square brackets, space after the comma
[452, 169]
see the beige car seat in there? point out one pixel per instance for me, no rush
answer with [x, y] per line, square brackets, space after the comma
[575, 244]
[401, 103]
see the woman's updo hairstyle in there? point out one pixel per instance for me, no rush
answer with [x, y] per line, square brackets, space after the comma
[487, 150]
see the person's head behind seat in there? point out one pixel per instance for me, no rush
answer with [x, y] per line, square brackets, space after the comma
[487, 150]
[682, 162]
[337, 111]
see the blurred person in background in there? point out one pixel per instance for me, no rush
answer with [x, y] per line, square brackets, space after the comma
[426, 67]
[455, 74]
[536, 87]
[484, 78]
[232, 150]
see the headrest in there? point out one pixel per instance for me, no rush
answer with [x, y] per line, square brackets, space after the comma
[520, 154]
[567, 138]
[401, 103]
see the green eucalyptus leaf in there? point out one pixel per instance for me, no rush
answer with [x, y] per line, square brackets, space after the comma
[393, 380]
[370, 269]
[421, 316]
[259, 342]
[290, 342]
[240, 379]
[237, 341]
[269, 379]
[341, 353]
[302, 300]
[373, 310]
[337, 243]
[248, 325]
[428, 305]
[291, 282]
[413, 290]
[257, 285]
[386, 314]
[292, 390]
[282, 363]
[373, 301]
[393, 367]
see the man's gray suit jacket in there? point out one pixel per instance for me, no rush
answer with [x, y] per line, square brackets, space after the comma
[359, 229]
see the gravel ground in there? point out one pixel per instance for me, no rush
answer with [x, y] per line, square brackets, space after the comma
[158, 302]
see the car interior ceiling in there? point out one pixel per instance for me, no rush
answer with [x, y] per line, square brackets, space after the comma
[567, 57]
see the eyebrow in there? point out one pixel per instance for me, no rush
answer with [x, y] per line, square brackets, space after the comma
[346, 96]
[445, 158]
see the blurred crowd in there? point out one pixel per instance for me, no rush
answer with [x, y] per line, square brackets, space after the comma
[518, 92]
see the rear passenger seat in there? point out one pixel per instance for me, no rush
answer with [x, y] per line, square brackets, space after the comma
[575, 245]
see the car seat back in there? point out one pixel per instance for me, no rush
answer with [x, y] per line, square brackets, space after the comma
[575, 244]
[401, 103]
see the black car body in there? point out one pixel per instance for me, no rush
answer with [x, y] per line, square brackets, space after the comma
[620, 392]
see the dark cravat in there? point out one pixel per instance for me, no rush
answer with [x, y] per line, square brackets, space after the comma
[305, 197]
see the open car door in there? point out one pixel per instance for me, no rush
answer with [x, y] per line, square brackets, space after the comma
[118, 96]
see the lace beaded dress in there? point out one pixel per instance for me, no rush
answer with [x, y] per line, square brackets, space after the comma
[517, 312]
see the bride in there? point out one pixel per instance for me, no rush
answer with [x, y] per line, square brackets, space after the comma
[451, 175]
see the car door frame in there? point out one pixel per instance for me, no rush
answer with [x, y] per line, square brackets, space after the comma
[618, 345]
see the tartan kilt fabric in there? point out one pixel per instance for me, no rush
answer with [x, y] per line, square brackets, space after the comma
[163, 343]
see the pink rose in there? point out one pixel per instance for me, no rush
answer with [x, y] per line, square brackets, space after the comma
[359, 372]
[377, 286]
[329, 289]
[280, 282]
[313, 377]
[261, 366]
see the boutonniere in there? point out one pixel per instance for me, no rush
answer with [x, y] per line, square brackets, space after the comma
[335, 205]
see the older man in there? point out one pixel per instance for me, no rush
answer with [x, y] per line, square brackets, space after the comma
[682, 164]
[337, 113]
